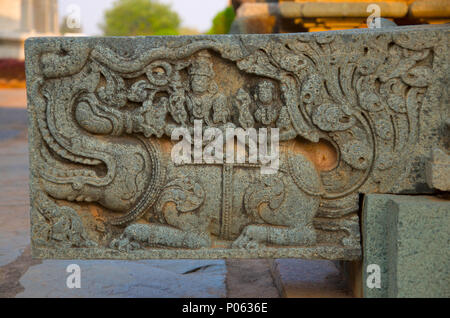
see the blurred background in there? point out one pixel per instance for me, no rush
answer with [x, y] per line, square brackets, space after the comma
[20, 19]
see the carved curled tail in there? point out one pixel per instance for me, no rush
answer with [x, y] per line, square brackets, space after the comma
[153, 190]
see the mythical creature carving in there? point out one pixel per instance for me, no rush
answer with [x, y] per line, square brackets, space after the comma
[348, 108]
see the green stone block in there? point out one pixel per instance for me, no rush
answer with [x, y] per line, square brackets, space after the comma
[408, 237]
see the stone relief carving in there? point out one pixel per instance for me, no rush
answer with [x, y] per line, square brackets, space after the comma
[349, 106]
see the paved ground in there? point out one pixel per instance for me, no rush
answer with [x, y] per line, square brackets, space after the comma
[21, 276]
[14, 202]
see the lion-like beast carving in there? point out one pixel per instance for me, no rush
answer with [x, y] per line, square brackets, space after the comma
[349, 109]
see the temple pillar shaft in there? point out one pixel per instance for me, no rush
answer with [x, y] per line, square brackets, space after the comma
[27, 21]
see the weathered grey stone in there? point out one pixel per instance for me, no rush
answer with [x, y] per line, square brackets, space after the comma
[408, 238]
[438, 170]
[358, 112]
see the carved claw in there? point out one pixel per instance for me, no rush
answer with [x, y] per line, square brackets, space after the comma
[123, 244]
[137, 236]
[130, 238]
[244, 243]
[250, 238]
[196, 240]
[254, 236]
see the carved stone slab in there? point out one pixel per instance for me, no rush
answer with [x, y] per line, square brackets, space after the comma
[357, 111]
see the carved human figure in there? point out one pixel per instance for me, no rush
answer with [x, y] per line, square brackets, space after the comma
[266, 112]
[243, 101]
[204, 92]
[177, 100]
[155, 117]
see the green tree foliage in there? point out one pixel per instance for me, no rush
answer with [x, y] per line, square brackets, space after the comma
[222, 21]
[140, 17]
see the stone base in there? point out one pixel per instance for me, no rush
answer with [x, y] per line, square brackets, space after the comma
[316, 253]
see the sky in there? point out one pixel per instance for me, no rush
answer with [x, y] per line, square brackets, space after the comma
[197, 14]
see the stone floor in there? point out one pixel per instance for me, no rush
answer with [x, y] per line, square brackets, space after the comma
[22, 276]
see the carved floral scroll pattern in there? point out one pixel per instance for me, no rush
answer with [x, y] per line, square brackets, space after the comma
[364, 97]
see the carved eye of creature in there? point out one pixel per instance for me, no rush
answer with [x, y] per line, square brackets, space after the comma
[159, 72]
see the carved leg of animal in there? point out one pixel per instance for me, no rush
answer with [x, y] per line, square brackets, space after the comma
[254, 235]
[287, 214]
[191, 223]
[137, 235]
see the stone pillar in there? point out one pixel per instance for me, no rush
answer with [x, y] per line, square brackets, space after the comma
[27, 21]
[41, 14]
[46, 16]
[53, 16]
